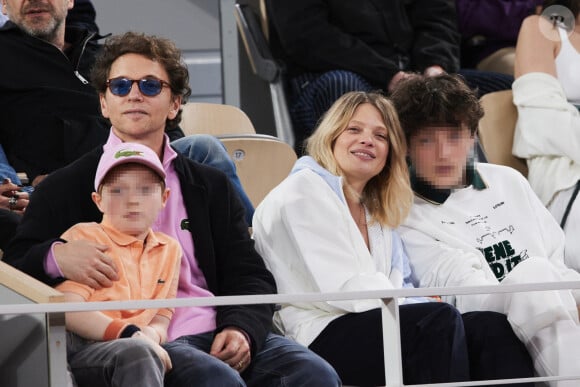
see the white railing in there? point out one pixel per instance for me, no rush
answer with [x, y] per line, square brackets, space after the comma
[390, 314]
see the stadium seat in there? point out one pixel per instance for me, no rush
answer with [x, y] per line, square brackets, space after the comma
[214, 119]
[496, 130]
[262, 162]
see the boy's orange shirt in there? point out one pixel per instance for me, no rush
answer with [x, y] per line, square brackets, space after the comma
[146, 271]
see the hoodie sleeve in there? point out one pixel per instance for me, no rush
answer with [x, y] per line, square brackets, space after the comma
[547, 124]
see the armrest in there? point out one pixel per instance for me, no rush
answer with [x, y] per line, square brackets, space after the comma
[27, 286]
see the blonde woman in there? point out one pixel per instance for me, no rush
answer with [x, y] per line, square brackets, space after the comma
[329, 227]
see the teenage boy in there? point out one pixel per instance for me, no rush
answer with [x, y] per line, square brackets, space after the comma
[481, 224]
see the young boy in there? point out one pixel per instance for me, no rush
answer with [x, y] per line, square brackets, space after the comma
[130, 191]
[481, 224]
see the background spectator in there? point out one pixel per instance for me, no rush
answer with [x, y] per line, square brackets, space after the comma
[547, 135]
[13, 200]
[489, 31]
[333, 46]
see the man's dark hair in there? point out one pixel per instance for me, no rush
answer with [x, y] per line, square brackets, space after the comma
[443, 100]
[157, 49]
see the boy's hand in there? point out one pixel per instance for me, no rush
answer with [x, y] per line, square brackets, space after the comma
[152, 334]
[159, 350]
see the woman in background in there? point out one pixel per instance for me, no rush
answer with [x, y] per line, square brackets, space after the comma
[547, 94]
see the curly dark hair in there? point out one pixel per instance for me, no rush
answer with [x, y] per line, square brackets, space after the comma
[436, 101]
[155, 48]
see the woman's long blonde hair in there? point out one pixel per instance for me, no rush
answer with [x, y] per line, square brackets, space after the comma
[388, 195]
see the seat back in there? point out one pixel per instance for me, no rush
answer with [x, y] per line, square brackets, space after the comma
[255, 36]
[496, 130]
[262, 162]
[214, 119]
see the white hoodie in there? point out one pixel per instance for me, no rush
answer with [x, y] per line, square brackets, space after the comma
[478, 234]
[304, 231]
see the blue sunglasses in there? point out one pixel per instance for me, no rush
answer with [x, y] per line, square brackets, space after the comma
[147, 86]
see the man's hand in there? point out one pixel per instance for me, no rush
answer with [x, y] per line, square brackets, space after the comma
[159, 350]
[232, 347]
[397, 78]
[86, 262]
[433, 71]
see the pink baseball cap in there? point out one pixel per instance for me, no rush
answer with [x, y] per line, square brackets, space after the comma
[127, 152]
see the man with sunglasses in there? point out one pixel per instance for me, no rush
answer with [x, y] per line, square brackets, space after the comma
[50, 113]
[141, 81]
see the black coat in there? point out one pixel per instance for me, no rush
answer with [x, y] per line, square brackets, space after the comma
[373, 38]
[223, 248]
[50, 116]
